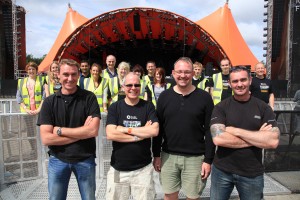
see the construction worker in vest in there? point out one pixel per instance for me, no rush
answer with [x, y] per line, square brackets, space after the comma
[198, 76]
[115, 89]
[52, 83]
[150, 66]
[138, 70]
[159, 85]
[98, 86]
[84, 72]
[110, 71]
[221, 89]
[30, 97]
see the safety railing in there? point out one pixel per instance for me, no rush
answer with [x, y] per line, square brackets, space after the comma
[22, 155]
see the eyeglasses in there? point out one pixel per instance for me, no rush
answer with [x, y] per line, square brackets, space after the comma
[131, 85]
[183, 72]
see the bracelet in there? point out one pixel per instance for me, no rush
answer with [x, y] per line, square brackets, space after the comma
[129, 130]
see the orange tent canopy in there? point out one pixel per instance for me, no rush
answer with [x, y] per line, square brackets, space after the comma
[222, 27]
[72, 21]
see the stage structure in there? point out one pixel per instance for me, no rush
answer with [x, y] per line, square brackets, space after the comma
[283, 43]
[137, 35]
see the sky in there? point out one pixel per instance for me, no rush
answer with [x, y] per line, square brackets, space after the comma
[44, 18]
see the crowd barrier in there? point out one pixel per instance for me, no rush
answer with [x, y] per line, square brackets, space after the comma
[23, 157]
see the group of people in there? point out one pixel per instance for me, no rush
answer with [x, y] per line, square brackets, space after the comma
[154, 125]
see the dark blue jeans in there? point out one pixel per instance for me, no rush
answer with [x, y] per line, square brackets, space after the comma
[59, 174]
[222, 184]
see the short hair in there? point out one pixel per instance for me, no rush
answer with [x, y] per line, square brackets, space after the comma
[111, 56]
[150, 61]
[199, 64]
[69, 62]
[224, 60]
[31, 64]
[130, 74]
[138, 68]
[238, 69]
[184, 59]
[260, 63]
[162, 72]
[84, 61]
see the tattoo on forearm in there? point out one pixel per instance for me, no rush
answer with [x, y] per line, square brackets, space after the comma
[217, 129]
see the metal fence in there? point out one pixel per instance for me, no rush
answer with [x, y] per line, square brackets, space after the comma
[23, 157]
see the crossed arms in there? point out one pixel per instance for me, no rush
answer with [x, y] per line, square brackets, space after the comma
[69, 135]
[267, 137]
[121, 133]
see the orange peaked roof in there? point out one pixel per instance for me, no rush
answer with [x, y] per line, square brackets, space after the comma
[72, 21]
[222, 27]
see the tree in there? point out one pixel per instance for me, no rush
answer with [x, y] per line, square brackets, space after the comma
[31, 58]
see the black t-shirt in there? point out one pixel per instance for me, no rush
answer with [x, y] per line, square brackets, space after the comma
[249, 115]
[184, 124]
[70, 111]
[261, 88]
[226, 90]
[131, 155]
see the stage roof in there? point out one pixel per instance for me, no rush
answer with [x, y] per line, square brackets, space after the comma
[140, 34]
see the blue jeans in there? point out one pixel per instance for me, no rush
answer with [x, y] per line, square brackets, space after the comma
[222, 184]
[59, 174]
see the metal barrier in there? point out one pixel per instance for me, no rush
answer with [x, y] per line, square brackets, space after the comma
[23, 157]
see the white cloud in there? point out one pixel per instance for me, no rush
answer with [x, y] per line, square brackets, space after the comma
[45, 18]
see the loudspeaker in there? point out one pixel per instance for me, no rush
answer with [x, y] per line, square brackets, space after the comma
[136, 22]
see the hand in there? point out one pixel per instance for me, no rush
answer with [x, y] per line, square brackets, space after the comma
[205, 170]
[157, 164]
[266, 127]
[148, 123]
[88, 120]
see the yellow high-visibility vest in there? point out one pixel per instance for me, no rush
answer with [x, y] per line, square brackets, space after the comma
[151, 88]
[89, 85]
[38, 91]
[218, 85]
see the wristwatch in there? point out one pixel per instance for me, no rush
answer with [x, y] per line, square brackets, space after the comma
[59, 131]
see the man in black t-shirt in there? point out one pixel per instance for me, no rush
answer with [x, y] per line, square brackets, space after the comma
[261, 87]
[131, 123]
[241, 126]
[69, 122]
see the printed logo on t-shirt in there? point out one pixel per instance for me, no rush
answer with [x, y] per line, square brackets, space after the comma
[257, 117]
[225, 84]
[264, 87]
[128, 123]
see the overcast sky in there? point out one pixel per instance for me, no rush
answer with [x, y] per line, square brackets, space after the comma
[44, 18]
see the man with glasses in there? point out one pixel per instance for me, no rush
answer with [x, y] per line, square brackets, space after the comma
[221, 89]
[241, 126]
[131, 123]
[183, 151]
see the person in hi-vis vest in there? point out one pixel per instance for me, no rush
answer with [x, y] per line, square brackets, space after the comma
[30, 98]
[159, 85]
[52, 83]
[98, 86]
[115, 89]
[110, 71]
[138, 70]
[221, 89]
